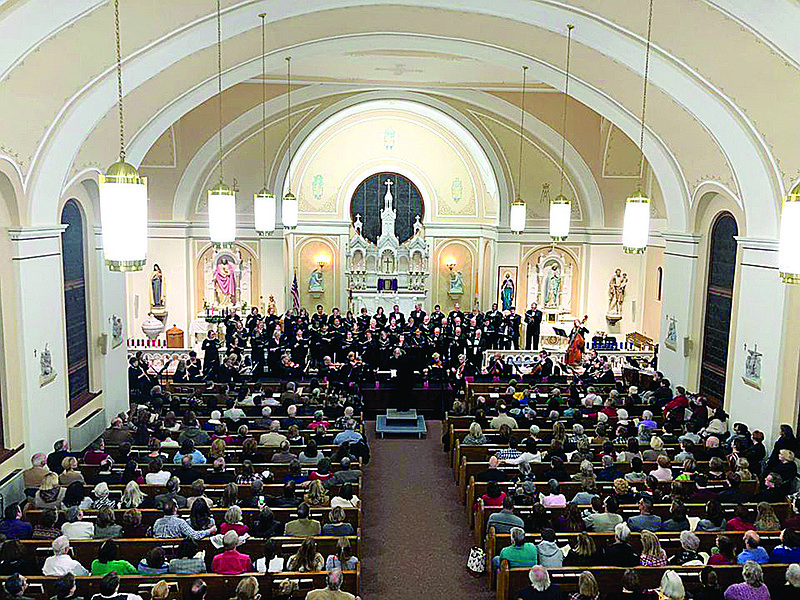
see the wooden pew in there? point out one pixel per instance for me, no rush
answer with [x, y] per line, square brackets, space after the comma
[284, 515]
[782, 511]
[510, 581]
[220, 587]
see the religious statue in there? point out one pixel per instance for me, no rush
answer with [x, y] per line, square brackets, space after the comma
[456, 282]
[225, 283]
[616, 292]
[358, 224]
[47, 373]
[316, 284]
[552, 287]
[157, 299]
[507, 292]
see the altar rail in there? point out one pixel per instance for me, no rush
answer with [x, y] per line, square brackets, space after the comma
[524, 360]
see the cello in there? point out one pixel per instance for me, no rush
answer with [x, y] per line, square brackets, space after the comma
[577, 343]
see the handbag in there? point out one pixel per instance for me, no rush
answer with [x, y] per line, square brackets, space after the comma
[476, 562]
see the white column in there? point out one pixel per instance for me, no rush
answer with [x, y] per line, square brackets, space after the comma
[39, 273]
[758, 321]
[677, 295]
[114, 363]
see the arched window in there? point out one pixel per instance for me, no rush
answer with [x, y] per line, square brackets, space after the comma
[659, 283]
[73, 258]
[719, 300]
[367, 201]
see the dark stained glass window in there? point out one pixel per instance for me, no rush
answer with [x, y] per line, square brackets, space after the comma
[72, 255]
[367, 201]
[719, 302]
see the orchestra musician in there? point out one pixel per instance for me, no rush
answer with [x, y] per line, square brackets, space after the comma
[577, 342]
[533, 322]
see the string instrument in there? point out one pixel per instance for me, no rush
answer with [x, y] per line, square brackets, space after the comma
[577, 343]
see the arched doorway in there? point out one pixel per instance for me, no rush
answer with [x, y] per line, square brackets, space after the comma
[719, 301]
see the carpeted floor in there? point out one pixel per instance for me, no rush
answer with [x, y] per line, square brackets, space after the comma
[415, 538]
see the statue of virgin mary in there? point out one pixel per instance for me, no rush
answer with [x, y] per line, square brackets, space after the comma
[225, 283]
[157, 299]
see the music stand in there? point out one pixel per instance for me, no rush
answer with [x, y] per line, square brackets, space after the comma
[560, 332]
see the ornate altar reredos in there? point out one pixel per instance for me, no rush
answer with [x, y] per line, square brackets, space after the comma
[552, 274]
[387, 272]
[227, 278]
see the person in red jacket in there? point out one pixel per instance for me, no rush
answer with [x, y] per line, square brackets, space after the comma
[231, 561]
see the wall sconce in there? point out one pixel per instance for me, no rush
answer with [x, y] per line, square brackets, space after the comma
[450, 263]
[322, 260]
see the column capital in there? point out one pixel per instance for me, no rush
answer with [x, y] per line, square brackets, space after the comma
[43, 232]
[758, 252]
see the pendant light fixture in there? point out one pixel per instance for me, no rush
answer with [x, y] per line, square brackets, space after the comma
[289, 203]
[517, 216]
[263, 200]
[636, 224]
[561, 206]
[789, 247]
[221, 198]
[123, 197]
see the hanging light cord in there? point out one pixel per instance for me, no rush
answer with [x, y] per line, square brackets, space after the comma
[566, 98]
[119, 85]
[522, 125]
[264, 94]
[289, 117]
[219, 82]
[644, 93]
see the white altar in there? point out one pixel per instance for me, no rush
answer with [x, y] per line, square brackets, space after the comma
[387, 272]
[550, 285]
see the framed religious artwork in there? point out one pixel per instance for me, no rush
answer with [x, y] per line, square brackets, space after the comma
[506, 287]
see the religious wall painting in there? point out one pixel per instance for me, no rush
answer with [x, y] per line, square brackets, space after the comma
[116, 331]
[317, 187]
[671, 339]
[47, 373]
[752, 367]
[506, 287]
[388, 138]
[457, 190]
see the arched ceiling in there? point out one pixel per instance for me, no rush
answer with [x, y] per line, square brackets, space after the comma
[708, 121]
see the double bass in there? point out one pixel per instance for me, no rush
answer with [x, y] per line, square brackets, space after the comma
[577, 342]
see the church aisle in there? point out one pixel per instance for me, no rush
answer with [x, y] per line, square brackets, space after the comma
[414, 534]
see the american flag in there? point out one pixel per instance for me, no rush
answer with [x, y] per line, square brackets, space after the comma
[295, 294]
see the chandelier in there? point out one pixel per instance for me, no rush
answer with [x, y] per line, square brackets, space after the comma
[289, 203]
[636, 224]
[561, 206]
[123, 197]
[221, 198]
[264, 200]
[517, 216]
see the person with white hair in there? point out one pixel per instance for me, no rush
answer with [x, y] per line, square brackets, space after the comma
[621, 553]
[231, 561]
[688, 553]
[792, 587]
[61, 562]
[32, 477]
[753, 587]
[332, 590]
[540, 587]
[274, 438]
[671, 587]
[349, 434]
[520, 553]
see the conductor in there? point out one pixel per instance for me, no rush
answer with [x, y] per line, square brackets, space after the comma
[401, 378]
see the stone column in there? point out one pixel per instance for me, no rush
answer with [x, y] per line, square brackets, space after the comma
[38, 271]
[677, 303]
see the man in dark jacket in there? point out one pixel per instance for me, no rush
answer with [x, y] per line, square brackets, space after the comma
[620, 553]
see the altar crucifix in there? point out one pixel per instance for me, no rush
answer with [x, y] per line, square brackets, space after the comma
[388, 267]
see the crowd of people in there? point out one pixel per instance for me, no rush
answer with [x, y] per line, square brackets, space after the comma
[699, 457]
[346, 349]
[196, 449]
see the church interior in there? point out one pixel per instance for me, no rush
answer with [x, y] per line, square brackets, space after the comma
[171, 169]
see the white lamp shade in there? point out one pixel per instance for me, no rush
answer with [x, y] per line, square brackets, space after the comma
[222, 216]
[636, 226]
[123, 216]
[517, 216]
[289, 211]
[560, 213]
[789, 248]
[264, 212]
